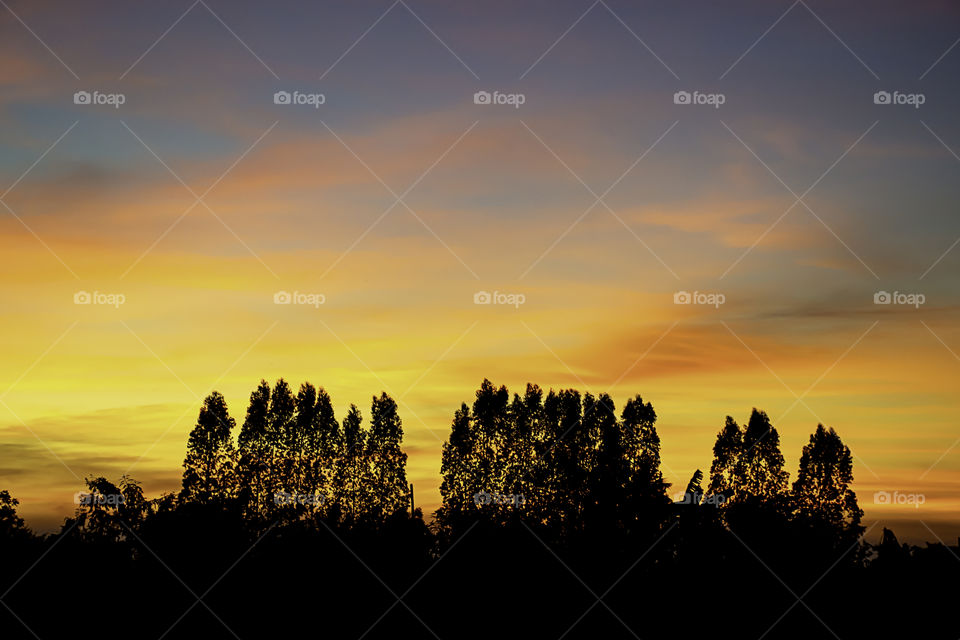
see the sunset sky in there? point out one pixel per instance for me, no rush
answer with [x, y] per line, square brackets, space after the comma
[399, 198]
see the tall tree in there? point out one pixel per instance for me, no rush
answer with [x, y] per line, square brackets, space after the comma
[329, 437]
[646, 491]
[821, 492]
[525, 471]
[763, 473]
[491, 426]
[300, 443]
[459, 483]
[255, 453]
[567, 454]
[388, 462]
[253, 433]
[487, 463]
[208, 466]
[282, 436]
[281, 432]
[324, 446]
[351, 475]
[610, 468]
[747, 463]
[725, 471]
[301, 436]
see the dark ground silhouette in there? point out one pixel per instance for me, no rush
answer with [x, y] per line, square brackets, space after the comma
[556, 523]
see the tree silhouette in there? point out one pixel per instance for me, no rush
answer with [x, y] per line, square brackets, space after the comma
[763, 473]
[726, 470]
[281, 436]
[255, 453]
[565, 462]
[641, 448]
[460, 483]
[323, 447]
[11, 525]
[822, 496]
[526, 442]
[747, 462]
[388, 491]
[106, 512]
[567, 458]
[208, 469]
[253, 434]
[351, 474]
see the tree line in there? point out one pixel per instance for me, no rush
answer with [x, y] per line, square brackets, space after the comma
[563, 461]
[580, 466]
[300, 495]
[292, 452]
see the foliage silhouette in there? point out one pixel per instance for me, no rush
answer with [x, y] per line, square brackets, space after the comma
[555, 521]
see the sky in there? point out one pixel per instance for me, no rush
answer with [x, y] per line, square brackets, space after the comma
[630, 153]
